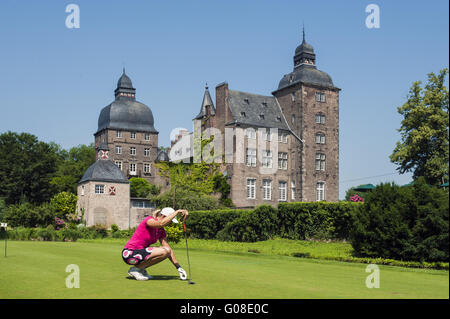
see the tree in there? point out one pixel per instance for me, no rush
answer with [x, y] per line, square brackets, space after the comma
[26, 168]
[139, 187]
[71, 169]
[64, 205]
[424, 145]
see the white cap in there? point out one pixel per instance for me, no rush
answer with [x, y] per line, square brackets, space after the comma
[166, 211]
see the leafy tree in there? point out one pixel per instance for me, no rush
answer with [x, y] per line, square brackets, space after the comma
[71, 169]
[404, 223]
[424, 145]
[26, 168]
[29, 215]
[64, 204]
[140, 187]
[186, 199]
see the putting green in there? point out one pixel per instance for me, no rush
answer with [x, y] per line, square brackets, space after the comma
[38, 270]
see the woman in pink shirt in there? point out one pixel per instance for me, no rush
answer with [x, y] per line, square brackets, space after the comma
[137, 251]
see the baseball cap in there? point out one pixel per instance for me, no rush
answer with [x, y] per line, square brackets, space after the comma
[166, 211]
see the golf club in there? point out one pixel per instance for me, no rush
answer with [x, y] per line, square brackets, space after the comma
[187, 252]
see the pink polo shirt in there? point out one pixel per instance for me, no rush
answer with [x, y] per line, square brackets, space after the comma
[144, 236]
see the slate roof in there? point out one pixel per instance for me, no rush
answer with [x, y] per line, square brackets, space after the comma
[308, 74]
[104, 171]
[207, 101]
[127, 115]
[255, 110]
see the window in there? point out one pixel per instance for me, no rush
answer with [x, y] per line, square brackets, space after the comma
[282, 137]
[146, 152]
[267, 136]
[133, 135]
[132, 168]
[267, 159]
[282, 160]
[320, 118]
[118, 134]
[118, 149]
[320, 138]
[293, 96]
[282, 191]
[243, 114]
[132, 150]
[251, 185]
[320, 162]
[118, 164]
[267, 189]
[147, 168]
[293, 190]
[82, 190]
[320, 97]
[99, 189]
[147, 136]
[261, 116]
[250, 133]
[250, 158]
[320, 191]
[293, 118]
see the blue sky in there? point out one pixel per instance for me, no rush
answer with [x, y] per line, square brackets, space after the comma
[56, 80]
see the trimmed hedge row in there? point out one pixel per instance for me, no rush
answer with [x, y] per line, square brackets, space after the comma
[298, 221]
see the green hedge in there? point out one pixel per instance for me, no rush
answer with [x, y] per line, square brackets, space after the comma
[316, 220]
[206, 224]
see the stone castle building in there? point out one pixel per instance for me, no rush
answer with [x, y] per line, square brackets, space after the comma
[304, 166]
[305, 111]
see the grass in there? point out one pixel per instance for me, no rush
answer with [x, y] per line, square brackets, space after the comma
[37, 270]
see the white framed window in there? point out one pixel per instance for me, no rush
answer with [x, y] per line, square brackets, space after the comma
[320, 118]
[282, 160]
[118, 164]
[132, 168]
[267, 135]
[147, 136]
[119, 134]
[250, 133]
[251, 187]
[320, 191]
[282, 137]
[282, 191]
[132, 150]
[320, 138]
[99, 189]
[118, 149]
[146, 152]
[146, 167]
[293, 119]
[320, 161]
[293, 96]
[267, 189]
[267, 160]
[320, 97]
[133, 135]
[82, 190]
[250, 157]
[293, 190]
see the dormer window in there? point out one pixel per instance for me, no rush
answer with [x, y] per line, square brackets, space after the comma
[247, 101]
[243, 114]
[278, 118]
[261, 116]
[264, 104]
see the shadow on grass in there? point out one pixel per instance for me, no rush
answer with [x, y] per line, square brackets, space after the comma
[158, 277]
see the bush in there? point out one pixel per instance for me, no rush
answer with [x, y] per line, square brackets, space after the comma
[316, 220]
[29, 215]
[403, 223]
[174, 233]
[254, 225]
[99, 231]
[206, 224]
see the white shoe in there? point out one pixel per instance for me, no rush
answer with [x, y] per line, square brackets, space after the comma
[144, 272]
[137, 273]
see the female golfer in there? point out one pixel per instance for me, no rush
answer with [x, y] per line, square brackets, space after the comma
[137, 251]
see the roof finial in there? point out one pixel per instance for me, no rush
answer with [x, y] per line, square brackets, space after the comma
[206, 86]
[123, 70]
[303, 31]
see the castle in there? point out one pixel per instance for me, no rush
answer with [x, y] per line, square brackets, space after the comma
[288, 142]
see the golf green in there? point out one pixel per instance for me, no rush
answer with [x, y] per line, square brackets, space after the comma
[38, 270]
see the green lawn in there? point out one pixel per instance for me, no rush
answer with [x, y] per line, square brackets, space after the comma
[37, 270]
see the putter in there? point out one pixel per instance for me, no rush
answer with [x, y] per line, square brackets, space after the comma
[190, 282]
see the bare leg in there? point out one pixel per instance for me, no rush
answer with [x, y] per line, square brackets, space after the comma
[158, 254]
